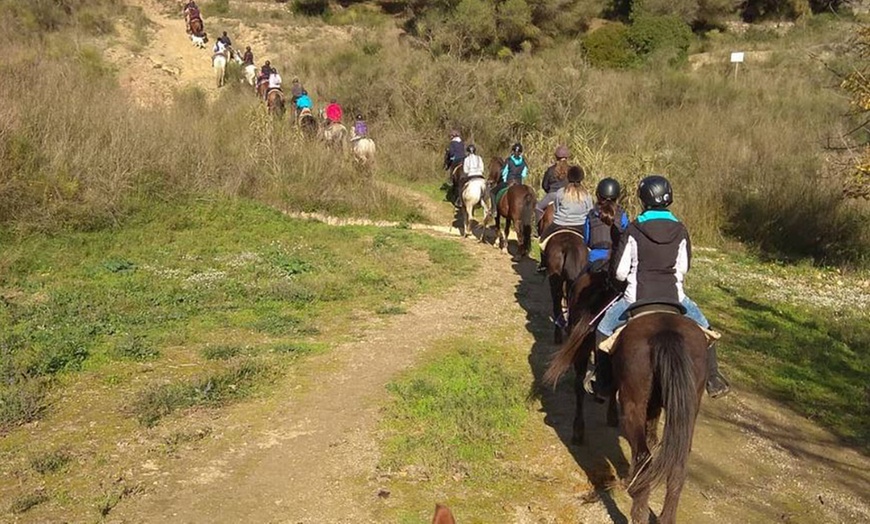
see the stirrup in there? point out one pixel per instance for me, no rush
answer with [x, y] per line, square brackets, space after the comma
[717, 386]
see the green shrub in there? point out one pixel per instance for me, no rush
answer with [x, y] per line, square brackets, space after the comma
[311, 7]
[51, 461]
[668, 35]
[133, 347]
[217, 7]
[609, 47]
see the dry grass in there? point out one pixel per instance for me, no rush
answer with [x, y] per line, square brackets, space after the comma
[746, 157]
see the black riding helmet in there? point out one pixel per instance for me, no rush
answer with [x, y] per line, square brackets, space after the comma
[517, 149]
[608, 189]
[471, 149]
[655, 192]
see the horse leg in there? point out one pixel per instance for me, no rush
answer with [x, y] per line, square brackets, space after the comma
[633, 421]
[467, 211]
[579, 434]
[503, 245]
[556, 290]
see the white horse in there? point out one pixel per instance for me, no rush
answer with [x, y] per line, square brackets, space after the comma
[473, 194]
[335, 134]
[219, 63]
[249, 71]
[199, 40]
[363, 150]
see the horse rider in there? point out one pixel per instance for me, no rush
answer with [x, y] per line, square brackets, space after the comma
[472, 167]
[554, 180]
[248, 57]
[225, 40]
[653, 257]
[334, 112]
[265, 72]
[360, 128]
[190, 12]
[274, 81]
[515, 170]
[219, 47]
[454, 156]
[303, 102]
[572, 204]
[596, 232]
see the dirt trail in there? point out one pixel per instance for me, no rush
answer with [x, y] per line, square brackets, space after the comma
[168, 62]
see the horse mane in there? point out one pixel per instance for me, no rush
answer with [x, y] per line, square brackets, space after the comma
[495, 167]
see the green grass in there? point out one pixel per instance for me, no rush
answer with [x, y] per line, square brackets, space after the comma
[27, 502]
[51, 461]
[814, 358]
[205, 273]
[453, 415]
[212, 390]
[221, 352]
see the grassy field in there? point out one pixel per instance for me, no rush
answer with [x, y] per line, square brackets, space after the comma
[185, 308]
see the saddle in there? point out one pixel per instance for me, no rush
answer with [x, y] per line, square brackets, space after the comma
[544, 241]
[641, 309]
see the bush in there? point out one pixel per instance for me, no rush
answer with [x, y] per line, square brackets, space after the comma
[609, 47]
[661, 35]
[311, 7]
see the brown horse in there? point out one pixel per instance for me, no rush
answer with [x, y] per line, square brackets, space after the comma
[307, 123]
[442, 515]
[659, 362]
[275, 102]
[261, 88]
[195, 26]
[567, 258]
[517, 205]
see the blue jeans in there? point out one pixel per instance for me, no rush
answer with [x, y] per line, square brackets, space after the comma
[615, 316]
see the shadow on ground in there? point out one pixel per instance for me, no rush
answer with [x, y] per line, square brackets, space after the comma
[600, 458]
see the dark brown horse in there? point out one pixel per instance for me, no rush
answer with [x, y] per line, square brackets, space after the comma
[659, 362]
[262, 88]
[195, 26]
[567, 257]
[517, 205]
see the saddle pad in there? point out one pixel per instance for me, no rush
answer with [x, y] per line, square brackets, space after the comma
[554, 233]
[500, 194]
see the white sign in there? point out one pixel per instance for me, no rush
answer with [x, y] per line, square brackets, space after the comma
[736, 58]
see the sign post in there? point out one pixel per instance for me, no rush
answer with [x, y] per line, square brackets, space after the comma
[736, 59]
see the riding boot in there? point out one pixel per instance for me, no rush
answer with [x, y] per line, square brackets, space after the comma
[717, 386]
[542, 265]
[596, 373]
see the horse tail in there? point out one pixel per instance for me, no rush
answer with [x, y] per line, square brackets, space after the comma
[527, 217]
[672, 369]
[564, 358]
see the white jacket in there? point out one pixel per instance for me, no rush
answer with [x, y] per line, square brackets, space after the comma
[473, 166]
[274, 81]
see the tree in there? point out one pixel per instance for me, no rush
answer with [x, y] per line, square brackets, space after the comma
[857, 84]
